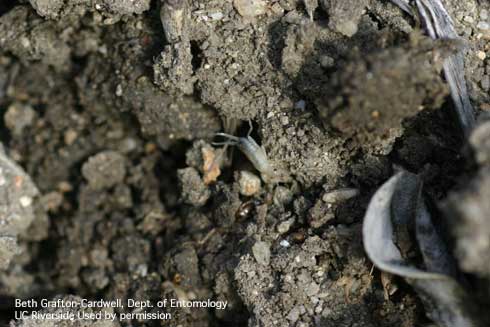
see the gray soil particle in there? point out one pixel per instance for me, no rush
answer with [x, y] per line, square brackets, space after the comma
[125, 7]
[299, 44]
[480, 142]
[58, 9]
[183, 265]
[285, 226]
[262, 253]
[8, 249]
[131, 257]
[304, 293]
[250, 8]
[320, 214]
[485, 82]
[345, 15]
[249, 183]
[174, 71]
[170, 118]
[194, 191]
[18, 117]
[104, 170]
[47, 8]
[17, 194]
[34, 39]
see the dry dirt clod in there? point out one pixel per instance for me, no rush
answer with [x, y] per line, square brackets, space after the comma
[47, 8]
[17, 207]
[262, 252]
[320, 214]
[211, 164]
[250, 8]
[126, 7]
[18, 117]
[104, 170]
[480, 142]
[194, 190]
[345, 15]
[173, 69]
[249, 183]
[407, 82]
[52, 201]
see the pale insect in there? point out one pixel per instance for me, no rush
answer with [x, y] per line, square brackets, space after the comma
[257, 156]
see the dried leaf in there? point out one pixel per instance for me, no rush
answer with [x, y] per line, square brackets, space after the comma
[404, 5]
[398, 205]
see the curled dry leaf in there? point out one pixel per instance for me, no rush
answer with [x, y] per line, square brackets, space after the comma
[403, 4]
[395, 210]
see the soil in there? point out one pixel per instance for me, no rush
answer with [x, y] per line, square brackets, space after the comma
[113, 117]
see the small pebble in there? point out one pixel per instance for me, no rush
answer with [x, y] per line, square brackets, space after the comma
[469, 19]
[262, 252]
[18, 117]
[327, 61]
[485, 82]
[216, 16]
[70, 136]
[483, 26]
[64, 187]
[282, 196]
[52, 201]
[119, 90]
[284, 226]
[193, 189]
[250, 8]
[484, 14]
[25, 201]
[277, 9]
[480, 142]
[481, 55]
[300, 105]
[293, 315]
[249, 183]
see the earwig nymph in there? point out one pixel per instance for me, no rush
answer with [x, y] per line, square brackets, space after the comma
[257, 156]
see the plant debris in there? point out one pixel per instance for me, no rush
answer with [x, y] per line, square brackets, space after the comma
[396, 209]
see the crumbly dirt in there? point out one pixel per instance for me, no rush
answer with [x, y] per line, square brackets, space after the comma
[113, 118]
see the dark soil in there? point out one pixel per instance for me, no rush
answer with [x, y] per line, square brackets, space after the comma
[113, 118]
